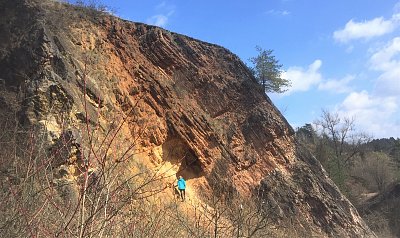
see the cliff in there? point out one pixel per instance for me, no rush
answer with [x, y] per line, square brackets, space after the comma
[82, 79]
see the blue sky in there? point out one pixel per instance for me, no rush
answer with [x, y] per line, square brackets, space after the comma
[342, 55]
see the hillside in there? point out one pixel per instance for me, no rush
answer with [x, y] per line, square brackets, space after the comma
[100, 114]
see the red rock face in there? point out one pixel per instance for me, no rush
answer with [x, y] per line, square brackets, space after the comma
[195, 94]
[189, 103]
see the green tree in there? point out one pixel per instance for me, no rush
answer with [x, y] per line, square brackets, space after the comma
[306, 133]
[267, 71]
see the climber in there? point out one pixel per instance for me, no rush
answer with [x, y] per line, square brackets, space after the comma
[182, 186]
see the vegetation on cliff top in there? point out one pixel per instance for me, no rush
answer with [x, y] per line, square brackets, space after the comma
[268, 72]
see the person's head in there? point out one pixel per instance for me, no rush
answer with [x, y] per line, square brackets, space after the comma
[180, 177]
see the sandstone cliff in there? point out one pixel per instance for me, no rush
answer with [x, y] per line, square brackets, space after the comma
[188, 104]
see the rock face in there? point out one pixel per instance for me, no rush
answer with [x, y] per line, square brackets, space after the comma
[189, 103]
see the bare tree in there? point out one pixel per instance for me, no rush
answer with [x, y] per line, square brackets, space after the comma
[81, 185]
[376, 168]
[344, 143]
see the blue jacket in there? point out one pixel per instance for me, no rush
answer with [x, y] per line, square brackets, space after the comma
[181, 183]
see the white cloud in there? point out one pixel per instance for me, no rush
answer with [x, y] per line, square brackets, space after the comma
[338, 86]
[278, 12]
[161, 20]
[384, 58]
[366, 102]
[389, 83]
[376, 112]
[306, 79]
[366, 29]
[285, 13]
[387, 61]
[158, 20]
[372, 114]
[303, 79]
[397, 7]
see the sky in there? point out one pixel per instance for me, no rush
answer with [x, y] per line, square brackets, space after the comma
[342, 56]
